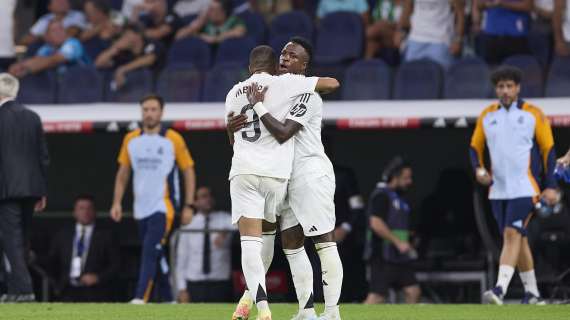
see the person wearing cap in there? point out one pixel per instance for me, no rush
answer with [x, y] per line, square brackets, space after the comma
[23, 172]
[391, 250]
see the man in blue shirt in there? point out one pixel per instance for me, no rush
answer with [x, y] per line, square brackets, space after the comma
[505, 26]
[59, 51]
[357, 6]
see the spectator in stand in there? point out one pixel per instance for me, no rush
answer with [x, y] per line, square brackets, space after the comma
[60, 10]
[505, 28]
[357, 6]
[101, 25]
[384, 19]
[143, 44]
[269, 8]
[59, 51]
[203, 263]
[436, 30]
[130, 8]
[7, 50]
[84, 257]
[561, 25]
[542, 13]
[190, 8]
[218, 26]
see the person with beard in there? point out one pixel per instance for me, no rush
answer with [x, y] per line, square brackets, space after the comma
[153, 153]
[521, 150]
[392, 252]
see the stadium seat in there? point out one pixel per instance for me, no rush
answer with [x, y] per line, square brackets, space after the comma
[367, 80]
[256, 27]
[340, 38]
[467, 79]
[80, 84]
[221, 79]
[287, 25]
[541, 47]
[38, 88]
[558, 82]
[532, 82]
[419, 79]
[180, 84]
[117, 4]
[95, 46]
[139, 83]
[235, 51]
[191, 51]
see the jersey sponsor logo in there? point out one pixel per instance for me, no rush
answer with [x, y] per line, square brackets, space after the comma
[299, 110]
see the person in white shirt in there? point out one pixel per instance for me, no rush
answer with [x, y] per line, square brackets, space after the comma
[203, 259]
[310, 209]
[261, 166]
[436, 30]
[7, 50]
[60, 10]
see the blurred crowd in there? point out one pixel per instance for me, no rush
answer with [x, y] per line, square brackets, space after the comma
[123, 36]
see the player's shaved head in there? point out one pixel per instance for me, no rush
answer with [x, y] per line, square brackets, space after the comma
[262, 59]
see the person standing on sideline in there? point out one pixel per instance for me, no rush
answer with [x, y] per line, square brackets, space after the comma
[153, 153]
[203, 263]
[23, 185]
[521, 149]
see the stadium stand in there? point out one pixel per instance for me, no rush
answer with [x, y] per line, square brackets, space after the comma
[139, 83]
[190, 51]
[80, 84]
[235, 50]
[38, 88]
[180, 84]
[287, 25]
[419, 79]
[340, 38]
[467, 79]
[532, 84]
[221, 79]
[367, 80]
[558, 82]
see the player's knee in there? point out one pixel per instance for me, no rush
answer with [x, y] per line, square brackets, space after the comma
[292, 238]
[268, 226]
[327, 237]
[512, 234]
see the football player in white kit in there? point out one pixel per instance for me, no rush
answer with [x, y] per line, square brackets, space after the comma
[261, 166]
[310, 209]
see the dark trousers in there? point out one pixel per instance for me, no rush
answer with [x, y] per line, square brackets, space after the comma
[209, 291]
[498, 48]
[85, 294]
[15, 220]
[154, 265]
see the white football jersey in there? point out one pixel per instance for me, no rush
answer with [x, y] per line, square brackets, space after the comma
[255, 150]
[310, 159]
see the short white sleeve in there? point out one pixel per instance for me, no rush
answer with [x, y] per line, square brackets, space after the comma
[303, 109]
[40, 27]
[295, 84]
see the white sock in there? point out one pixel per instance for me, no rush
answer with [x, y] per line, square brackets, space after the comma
[302, 273]
[504, 278]
[267, 249]
[529, 281]
[253, 271]
[331, 267]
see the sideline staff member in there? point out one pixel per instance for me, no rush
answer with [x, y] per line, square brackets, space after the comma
[521, 148]
[153, 154]
[23, 172]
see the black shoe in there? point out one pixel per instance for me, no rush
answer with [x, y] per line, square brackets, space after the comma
[17, 298]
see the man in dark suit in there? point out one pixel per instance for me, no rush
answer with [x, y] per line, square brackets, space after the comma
[23, 166]
[84, 257]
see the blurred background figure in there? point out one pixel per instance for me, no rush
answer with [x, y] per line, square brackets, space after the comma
[391, 249]
[84, 258]
[203, 263]
[23, 188]
[59, 51]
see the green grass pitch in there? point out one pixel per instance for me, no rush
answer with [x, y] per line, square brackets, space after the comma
[56, 311]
